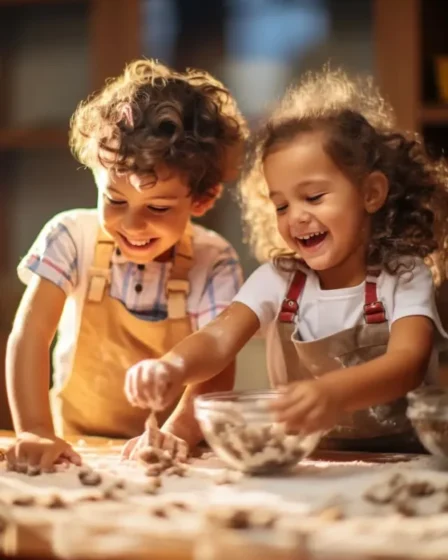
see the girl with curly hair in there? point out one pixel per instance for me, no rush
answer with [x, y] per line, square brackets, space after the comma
[129, 279]
[345, 208]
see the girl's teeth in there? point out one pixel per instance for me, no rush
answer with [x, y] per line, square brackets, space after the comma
[311, 235]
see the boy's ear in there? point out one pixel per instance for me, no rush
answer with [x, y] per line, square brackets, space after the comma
[376, 189]
[204, 204]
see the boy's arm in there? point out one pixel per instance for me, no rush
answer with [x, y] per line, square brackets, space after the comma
[182, 422]
[28, 356]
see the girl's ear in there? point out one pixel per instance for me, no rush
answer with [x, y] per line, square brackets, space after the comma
[376, 189]
[204, 204]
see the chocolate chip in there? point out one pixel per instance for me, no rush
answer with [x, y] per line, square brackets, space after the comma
[239, 520]
[138, 288]
[54, 502]
[89, 477]
[141, 266]
[23, 500]
[420, 489]
[160, 512]
[405, 508]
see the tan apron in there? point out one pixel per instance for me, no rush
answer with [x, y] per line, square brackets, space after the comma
[111, 339]
[379, 428]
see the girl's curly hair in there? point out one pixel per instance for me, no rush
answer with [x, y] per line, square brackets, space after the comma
[151, 116]
[360, 137]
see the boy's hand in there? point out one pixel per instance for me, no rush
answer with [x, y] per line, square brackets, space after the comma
[178, 448]
[153, 384]
[33, 453]
[306, 406]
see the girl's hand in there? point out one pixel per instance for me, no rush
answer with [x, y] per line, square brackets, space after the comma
[32, 453]
[178, 448]
[306, 406]
[153, 384]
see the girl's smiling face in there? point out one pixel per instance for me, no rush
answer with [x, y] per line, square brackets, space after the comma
[146, 221]
[321, 214]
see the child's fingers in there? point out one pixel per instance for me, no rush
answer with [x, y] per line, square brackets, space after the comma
[169, 444]
[128, 447]
[72, 456]
[155, 438]
[129, 384]
[20, 457]
[297, 411]
[182, 451]
[48, 459]
[286, 400]
[139, 380]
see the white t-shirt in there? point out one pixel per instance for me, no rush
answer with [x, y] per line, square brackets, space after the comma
[63, 253]
[326, 312]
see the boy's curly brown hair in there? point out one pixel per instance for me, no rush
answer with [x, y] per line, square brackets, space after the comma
[360, 136]
[152, 116]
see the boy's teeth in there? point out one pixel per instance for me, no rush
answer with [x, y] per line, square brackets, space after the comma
[138, 243]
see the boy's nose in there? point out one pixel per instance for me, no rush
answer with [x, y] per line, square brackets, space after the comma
[135, 221]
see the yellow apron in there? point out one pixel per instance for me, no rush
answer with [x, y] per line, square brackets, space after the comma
[111, 339]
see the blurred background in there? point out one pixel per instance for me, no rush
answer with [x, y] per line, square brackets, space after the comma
[53, 53]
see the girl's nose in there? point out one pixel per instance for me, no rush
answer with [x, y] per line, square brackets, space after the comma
[299, 214]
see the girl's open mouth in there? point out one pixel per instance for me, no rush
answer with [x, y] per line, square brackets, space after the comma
[312, 239]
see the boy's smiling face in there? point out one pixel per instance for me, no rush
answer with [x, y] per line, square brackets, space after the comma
[145, 218]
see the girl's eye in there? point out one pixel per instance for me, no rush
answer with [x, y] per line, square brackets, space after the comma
[115, 202]
[159, 209]
[281, 209]
[314, 198]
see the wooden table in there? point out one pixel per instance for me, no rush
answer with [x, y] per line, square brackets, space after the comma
[26, 538]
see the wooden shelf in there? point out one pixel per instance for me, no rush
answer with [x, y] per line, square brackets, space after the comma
[23, 138]
[20, 2]
[434, 114]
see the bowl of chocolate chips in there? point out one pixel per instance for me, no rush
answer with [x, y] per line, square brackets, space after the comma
[428, 413]
[242, 431]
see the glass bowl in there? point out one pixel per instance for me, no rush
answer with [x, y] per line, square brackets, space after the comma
[242, 431]
[428, 413]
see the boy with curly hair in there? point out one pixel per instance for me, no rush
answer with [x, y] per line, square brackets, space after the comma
[129, 279]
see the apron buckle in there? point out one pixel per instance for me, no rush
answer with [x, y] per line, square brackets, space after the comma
[99, 279]
[288, 310]
[374, 312]
[177, 285]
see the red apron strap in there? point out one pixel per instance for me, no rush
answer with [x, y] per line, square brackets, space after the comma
[374, 311]
[290, 305]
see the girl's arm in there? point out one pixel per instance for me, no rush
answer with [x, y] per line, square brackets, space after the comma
[28, 356]
[318, 404]
[400, 370]
[207, 352]
[196, 359]
[182, 422]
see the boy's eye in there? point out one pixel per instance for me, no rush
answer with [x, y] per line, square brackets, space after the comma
[315, 197]
[159, 209]
[115, 202]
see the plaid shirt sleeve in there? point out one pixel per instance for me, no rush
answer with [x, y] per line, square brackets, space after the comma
[53, 256]
[222, 285]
